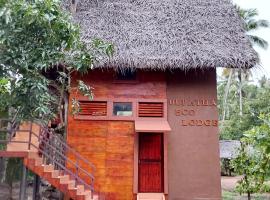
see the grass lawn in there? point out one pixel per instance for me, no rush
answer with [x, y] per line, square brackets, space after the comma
[235, 196]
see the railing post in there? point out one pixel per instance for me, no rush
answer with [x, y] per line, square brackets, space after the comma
[9, 134]
[23, 183]
[9, 131]
[39, 133]
[30, 136]
[35, 194]
[92, 185]
[77, 169]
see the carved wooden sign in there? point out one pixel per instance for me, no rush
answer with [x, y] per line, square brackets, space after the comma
[188, 107]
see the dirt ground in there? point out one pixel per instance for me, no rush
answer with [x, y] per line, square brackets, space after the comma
[45, 192]
[229, 183]
[4, 191]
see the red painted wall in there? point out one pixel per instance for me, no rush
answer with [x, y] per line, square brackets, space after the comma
[193, 150]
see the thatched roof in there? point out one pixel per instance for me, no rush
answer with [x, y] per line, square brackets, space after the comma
[162, 34]
[229, 148]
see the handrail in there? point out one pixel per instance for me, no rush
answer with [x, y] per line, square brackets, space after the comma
[50, 149]
[67, 170]
[62, 155]
[72, 150]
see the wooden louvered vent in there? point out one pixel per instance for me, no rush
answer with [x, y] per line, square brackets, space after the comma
[93, 108]
[151, 109]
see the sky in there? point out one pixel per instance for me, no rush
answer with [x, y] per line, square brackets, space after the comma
[263, 7]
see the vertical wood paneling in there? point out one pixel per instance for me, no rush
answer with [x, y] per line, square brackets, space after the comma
[109, 146]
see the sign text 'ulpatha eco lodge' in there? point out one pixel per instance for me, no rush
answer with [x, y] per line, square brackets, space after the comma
[187, 109]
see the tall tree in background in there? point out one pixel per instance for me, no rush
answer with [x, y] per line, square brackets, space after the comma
[256, 98]
[241, 76]
[253, 127]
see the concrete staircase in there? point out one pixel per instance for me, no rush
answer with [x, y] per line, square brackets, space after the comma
[52, 159]
[58, 178]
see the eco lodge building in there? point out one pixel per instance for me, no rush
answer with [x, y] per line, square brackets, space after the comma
[152, 128]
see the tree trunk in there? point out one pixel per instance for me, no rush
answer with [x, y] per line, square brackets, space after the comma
[10, 191]
[23, 185]
[227, 89]
[249, 195]
[65, 114]
[35, 195]
[3, 166]
[240, 93]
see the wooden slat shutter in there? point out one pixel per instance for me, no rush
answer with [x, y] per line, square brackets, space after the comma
[151, 109]
[93, 108]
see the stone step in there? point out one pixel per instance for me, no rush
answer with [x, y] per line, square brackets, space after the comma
[150, 196]
[71, 184]
[64, 179]
[55, 173]
[48, 168]
[80, 189]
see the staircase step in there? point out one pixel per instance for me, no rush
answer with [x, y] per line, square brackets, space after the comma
[48, 168]
[80, 189]
[87, 193]
[55, 173]
[64, 179]
[150, 196]
[71, 184]
[38, 161]
[88, 198]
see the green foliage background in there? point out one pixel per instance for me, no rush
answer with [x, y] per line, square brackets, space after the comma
[256, 99]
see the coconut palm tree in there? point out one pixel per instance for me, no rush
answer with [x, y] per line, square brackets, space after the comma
[250, 25]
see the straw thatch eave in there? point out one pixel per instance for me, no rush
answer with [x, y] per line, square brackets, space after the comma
[229, 148]
[168, 34]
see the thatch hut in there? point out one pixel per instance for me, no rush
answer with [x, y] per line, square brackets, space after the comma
[154, 128]
[228, 150]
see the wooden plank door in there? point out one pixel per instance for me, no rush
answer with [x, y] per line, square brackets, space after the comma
[150, 162]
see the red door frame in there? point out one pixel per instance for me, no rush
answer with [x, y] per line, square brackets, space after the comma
[136, 163]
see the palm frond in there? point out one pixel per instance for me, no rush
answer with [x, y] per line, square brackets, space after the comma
[253, 24]
[246, 14]
[255, 40]
[263, 23]
[250, 13]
